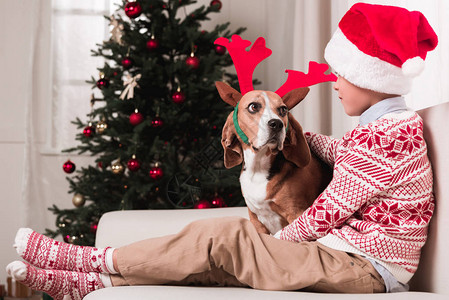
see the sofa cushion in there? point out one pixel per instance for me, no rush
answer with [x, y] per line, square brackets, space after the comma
[226, 293]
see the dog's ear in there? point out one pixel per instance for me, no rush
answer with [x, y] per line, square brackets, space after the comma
[292, 98]
[296, 148]
[227, 93]
[233, 152]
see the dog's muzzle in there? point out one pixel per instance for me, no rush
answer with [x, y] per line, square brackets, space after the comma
[275, 125]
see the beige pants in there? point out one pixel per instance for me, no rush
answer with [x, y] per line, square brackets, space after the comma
[229, 252]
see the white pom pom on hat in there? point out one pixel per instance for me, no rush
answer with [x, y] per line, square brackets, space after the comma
[381, 47]
[412, 67]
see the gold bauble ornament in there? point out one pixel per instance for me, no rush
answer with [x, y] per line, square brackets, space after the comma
[78, 200]
[117, 167]
[73, 240]
[101, 126]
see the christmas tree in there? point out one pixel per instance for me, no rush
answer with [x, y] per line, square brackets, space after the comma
[155, 132]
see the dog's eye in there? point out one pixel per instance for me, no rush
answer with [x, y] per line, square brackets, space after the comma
[283, 110]
[254, 107]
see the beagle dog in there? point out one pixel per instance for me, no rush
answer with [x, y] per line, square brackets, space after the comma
[280, 177]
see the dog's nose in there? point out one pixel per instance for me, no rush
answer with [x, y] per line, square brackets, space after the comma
[275, 124]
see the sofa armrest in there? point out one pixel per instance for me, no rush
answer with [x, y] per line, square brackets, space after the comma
[432, 274]
[119, 228]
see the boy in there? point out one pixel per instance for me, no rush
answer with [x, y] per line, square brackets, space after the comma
[363, 234]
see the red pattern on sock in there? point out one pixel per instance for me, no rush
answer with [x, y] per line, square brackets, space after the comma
[58, 283]
[46, 253]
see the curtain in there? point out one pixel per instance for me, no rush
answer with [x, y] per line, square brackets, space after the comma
[33, 205]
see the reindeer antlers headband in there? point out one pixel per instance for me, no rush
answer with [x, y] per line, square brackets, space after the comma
[246, 61]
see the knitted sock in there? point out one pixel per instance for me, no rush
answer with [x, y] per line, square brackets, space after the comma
[46, 253]
[57, 283]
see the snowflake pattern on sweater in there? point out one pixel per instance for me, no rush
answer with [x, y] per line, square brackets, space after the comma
[380, 199]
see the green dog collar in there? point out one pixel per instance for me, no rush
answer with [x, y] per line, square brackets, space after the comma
[239, 130]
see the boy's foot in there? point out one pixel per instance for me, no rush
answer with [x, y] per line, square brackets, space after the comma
[46, 253]
[57, 283]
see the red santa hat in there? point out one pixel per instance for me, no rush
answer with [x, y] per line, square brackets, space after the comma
[380, 48]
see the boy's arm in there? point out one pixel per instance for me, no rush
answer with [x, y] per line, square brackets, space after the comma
[357, 178]
[323, 146]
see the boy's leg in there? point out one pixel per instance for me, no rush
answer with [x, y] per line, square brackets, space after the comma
[231, 246]
[214, 277]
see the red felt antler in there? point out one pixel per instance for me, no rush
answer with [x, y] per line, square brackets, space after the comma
[297, 79]
[245, 61]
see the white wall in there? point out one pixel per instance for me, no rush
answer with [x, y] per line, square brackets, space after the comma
[16, 86]
[12, 125]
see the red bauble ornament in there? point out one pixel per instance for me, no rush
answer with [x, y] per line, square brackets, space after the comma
[193, 62]
[157, 122]
[133, 9]
[127, 62]
[69, 167]
[218, 202]
[178, 97]
[93, 227]
[220, 50]
[66, 238]
[133, 164]
[102, 83]
[88, 131]
[136, 118]
[156, 172]
[152, 44]
[202, 204]
[216, 4]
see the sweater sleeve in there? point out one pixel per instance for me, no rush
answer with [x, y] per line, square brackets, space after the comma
[359, 174]
[323, 146]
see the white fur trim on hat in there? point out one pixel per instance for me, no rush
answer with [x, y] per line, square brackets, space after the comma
[363, 70]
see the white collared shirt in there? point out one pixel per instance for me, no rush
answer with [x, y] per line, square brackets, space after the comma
[381, 108]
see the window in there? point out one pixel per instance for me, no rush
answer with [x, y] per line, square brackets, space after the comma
[77, 26]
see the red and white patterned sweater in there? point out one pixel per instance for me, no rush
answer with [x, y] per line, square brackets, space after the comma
[380, 201]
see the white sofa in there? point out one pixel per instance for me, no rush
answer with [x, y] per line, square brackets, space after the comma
[430, 282]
